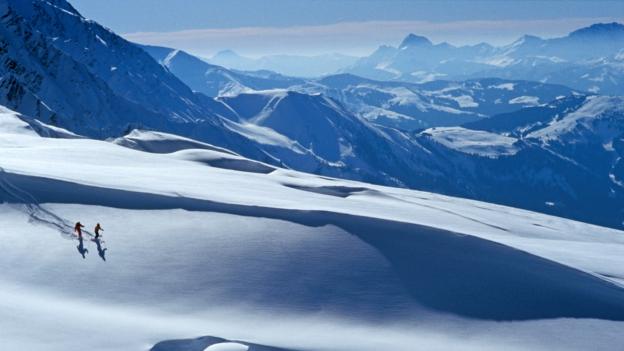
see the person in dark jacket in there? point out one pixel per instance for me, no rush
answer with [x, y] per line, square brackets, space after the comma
[98, 227]
[78, 229]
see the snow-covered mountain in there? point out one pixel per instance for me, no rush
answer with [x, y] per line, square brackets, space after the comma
[292, 65]
[316, 134]
[501, 159]
[41, 80]
[543, 158]
[58, 71]
[201, 241]
[587, 59]
[393, 104]
[74, 73]
[213, 80]
[438, 103]
[126, 69]
[417, 59]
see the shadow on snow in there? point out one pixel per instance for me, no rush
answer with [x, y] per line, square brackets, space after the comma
[441, 270]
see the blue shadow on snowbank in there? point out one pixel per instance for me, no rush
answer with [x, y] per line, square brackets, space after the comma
[441, 270]
[200, 344]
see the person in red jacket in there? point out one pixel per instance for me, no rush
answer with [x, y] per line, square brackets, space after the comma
[78, 229]
[98, 227]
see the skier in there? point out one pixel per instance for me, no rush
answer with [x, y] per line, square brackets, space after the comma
[77, 229]
[97, 230]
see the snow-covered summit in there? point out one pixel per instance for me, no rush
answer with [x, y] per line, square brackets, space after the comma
[215, 80]
[74, 73]
[582, 60]
[413, 40]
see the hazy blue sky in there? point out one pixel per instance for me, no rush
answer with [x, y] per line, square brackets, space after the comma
[257, 27]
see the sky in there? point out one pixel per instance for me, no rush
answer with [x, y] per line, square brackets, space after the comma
[353, 27]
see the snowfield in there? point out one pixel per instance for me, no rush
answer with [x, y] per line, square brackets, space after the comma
[207, 250]
[474, 142]
[525, 100]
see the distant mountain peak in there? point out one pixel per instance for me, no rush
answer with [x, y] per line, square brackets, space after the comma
[600, 29]
[226, 53]
[414, 40]
[527, 39]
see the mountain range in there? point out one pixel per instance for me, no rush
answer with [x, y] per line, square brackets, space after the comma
[394, 104]
[588, 59]
[492, 139]
[253, 211]
[294, 65]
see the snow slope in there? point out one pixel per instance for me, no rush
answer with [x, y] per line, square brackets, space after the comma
[600, 116]
[214, 80]
[126, 70]
[280, 259]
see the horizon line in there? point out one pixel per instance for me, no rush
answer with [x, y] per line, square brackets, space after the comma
[208, 41]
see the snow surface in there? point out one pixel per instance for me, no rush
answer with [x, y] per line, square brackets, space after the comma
[474, 142]
[465, 101]
[525, 100]
[505, 86]
[284, 259]
[227, 346]
[159, 142]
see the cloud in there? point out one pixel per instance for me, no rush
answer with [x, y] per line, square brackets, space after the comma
[358, 38]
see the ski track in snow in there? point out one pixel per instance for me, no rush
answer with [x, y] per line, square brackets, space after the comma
[31, 207]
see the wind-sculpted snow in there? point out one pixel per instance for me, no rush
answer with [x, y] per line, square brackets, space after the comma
[284, 259]
[209, 343]
[159, 142]
[331, 190]
[225, 161]
[468, 279]
[192, 150]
